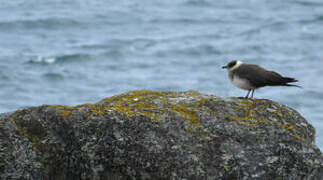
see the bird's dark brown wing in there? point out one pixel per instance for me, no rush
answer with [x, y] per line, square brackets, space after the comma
[259, 76]
[275, 79]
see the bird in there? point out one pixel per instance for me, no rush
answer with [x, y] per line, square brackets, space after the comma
[251, 76]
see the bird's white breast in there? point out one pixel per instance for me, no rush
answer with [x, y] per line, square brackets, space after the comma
[241, 83]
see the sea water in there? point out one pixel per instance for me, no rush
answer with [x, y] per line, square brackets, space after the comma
[76, 52]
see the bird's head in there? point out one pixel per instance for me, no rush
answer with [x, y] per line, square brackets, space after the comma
[232, 65]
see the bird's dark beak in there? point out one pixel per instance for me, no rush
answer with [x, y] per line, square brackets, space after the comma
[224, 67]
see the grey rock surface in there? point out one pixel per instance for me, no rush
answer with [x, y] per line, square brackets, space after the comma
[159, 135]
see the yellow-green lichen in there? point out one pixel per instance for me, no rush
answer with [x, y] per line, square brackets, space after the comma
[64, 111]
[251, 110]
[32, 137]
[152, 104]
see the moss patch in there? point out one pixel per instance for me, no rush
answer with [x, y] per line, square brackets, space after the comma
[34, 137]
[151, 104]
[251, 111]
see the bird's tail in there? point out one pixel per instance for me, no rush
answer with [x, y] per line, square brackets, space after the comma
[293, 85]
[290, 80]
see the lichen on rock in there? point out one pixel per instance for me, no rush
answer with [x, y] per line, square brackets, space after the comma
[159, 135]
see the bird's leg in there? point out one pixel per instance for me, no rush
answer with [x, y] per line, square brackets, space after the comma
[252, 91]
[248, 93]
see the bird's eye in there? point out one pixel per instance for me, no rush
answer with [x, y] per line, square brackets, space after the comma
[231, 64]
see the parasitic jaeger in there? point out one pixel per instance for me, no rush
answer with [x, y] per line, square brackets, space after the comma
[250, 77]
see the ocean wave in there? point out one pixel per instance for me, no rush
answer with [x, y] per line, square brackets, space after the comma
[317, 19]
[53, 76]
[120, 47]
[200, 50]
[187, 20]
[73, 57]
[49, 23]
[59, 59]
[119, 43]
[309, 3]
[3, 76]
[42, 60]
[204, 3]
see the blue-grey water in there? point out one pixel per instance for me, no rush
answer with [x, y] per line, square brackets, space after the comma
[75, 52]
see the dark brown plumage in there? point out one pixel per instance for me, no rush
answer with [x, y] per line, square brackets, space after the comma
[260, 77]
[251, 77]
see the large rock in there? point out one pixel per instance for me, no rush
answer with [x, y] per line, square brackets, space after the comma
[159, 135]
